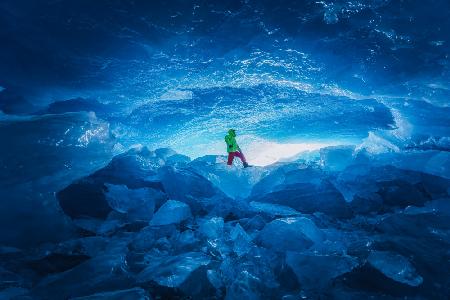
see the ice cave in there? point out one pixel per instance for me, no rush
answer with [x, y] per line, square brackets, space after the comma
[233, 149]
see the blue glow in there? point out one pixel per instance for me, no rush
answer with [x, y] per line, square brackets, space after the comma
[114, 181]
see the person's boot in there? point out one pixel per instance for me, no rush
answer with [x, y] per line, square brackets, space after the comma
[246, 165]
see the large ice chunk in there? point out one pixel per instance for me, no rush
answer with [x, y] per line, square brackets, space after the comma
[241, 240]
[310, 198]
[84, 199]
[336, 158]
[95, 275]
[185, 183]
[317, 271]
[397, 187]
[290, 234]
[138, 204]
[235, 182]
[306, 189]
[135, 168]
[171, 212]
[273, 209]
[395, 266]
[173, 271]
[212, 228]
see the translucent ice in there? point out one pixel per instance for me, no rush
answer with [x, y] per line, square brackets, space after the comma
[187, 185]
[212, 228]
[290, 234]
[138, 204]
[395, 266]
[235, 182]
[336, 158]
[318, 270]
[95, 275]
[173, 271]
[171, 212]
[241, 240]
[273, 209]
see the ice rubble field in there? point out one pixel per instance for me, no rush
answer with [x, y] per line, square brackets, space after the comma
[156, 225]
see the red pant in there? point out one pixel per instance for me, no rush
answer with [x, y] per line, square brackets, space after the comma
[231, 156]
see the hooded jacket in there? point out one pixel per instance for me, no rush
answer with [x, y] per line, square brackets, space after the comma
[230, 139]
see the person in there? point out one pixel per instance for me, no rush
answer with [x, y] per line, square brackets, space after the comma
[233, 148]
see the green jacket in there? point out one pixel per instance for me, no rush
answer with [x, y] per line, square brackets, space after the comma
[230, 139]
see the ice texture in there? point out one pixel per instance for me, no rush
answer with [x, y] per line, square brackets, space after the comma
[290, 234]
[173, 271]
[138, 204]
[171, 212]
[155, 224]
[212, 228]
[315, 271]
[114, 180]
[306, 189]
[95, 275]
[395, 266]
[130, 294]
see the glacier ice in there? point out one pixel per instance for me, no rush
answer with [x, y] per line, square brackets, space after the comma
[212, 228]
[273, 209]
[241, 240]
[314, 271]
[138, 204]
[336, 158]
[395, 266]
[173, 271]
[295, 233]
[146, 221]
[95, 275]
[234, 182]
[171, 212]
[130, 294]
[113, 174]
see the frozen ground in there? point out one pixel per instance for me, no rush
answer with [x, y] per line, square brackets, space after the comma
[156, 225]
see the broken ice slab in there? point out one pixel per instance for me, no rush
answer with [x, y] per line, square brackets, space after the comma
[397, 187]
[287, 174]
[307, 190]
[138, 204]
[214, 278]
[248, 277]
[131, 168]
[395, 266]
[336, 158]
[212, 228]
[185, 183]
[235, 182]
[290, 234]
[273, 210]
[172, 271]
[171, 212]
[94, 275]
[130, 294]
[242, 242]
[439, 206]
[317, 271]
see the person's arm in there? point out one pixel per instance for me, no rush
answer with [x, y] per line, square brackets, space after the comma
[228, 141]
